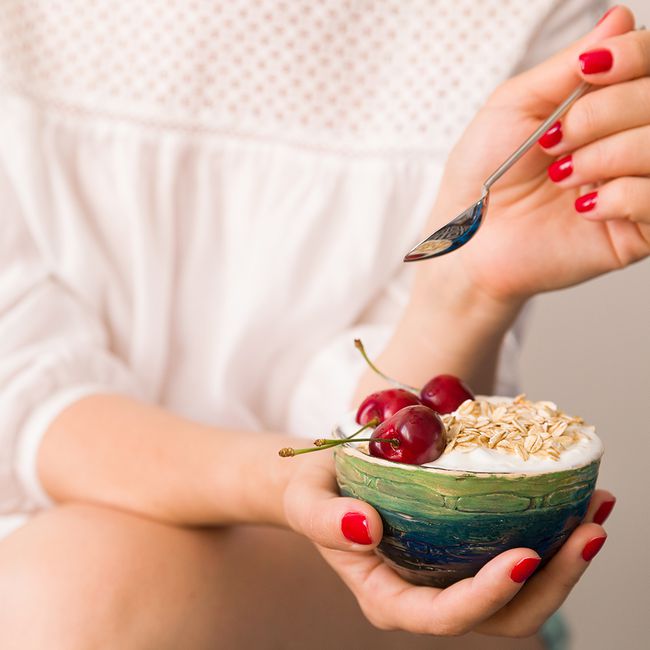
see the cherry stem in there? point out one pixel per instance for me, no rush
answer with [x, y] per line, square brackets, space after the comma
[359, 345]
[288, 452]
[326, 443]
[375, 422]
[330, 442]
[320, 442]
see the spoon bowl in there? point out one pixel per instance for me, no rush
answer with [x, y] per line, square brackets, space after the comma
[461, 229]
[453, 235]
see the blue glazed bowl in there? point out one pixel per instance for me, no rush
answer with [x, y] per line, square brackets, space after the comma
[441, 526]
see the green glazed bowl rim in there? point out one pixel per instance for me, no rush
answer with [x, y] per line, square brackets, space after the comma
[351, 449]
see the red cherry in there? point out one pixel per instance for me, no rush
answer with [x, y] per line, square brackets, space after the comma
[420, 434]
[445, 393]
[385, 403]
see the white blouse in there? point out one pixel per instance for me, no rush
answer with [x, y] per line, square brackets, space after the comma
[203, 203]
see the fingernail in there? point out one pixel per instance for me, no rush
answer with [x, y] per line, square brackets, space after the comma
[561, 169]
[604, 16]
[604, 510]
[552, 136]
[524, 569]
[596, 61]
[354, 527]
[585, 203]
[592, 547]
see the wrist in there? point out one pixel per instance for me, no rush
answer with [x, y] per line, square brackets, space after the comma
[258, 481]
[120, 452]
[445, 290]
[449, 326]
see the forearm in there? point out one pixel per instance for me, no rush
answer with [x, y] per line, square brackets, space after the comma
[446, 328]
[116, 451]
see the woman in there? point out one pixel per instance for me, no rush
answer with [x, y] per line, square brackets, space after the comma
[205, 203]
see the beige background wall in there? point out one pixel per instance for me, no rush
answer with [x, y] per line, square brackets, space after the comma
[588, 348]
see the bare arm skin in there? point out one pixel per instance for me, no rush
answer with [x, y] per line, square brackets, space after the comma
[116, 451]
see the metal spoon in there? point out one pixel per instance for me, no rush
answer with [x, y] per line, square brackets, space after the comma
[459, 231]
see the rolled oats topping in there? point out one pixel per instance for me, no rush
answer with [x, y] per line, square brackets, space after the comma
[527, 429]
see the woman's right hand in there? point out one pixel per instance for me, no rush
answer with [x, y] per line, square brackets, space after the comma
[346, 532]
[546, 227]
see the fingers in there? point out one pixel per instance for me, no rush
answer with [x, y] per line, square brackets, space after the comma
[617, 169]
[313, 508]
[548, 589]
[615, 59]
[621, 64]
[463, 606]
[623, 154]
[599, 114]
[391, 603]
[623, 198]
[600, 507]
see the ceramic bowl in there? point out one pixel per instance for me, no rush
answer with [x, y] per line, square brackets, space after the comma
[441, 526]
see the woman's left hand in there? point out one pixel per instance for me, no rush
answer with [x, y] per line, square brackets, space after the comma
[502, 599]
[578, 207]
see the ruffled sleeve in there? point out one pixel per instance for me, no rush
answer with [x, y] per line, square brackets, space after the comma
[53, 351]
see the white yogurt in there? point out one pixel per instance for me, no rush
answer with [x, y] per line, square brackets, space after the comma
[482, 459]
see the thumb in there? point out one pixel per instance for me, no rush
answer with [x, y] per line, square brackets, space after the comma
[314, 509]
[556, 77]
[473, 600]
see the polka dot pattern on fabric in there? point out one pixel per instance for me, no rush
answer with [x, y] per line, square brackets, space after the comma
[330, 73]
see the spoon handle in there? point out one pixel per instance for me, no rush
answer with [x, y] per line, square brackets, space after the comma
[536, 134]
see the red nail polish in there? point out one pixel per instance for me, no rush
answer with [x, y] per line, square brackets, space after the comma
[354, 527]
[524, 569]
[596, 61]
[592, 547]
[604, 510]
[585, 203]
[561, 169]
[604, 16]
[552, 136]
